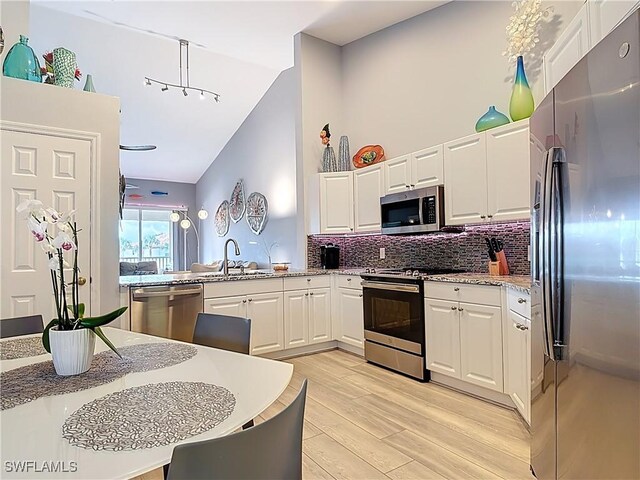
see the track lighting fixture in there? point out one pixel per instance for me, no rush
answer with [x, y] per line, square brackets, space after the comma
[184, 84]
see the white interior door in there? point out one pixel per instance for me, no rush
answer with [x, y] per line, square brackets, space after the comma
[56, 171]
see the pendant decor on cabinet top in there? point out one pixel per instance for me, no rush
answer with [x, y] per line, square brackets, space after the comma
[21, 62]
[344, 158]
[329, 163]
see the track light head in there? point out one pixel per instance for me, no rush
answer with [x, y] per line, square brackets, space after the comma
[217, 98]
[147, 81]
[201, 95]
[165, 88]
[184, 92]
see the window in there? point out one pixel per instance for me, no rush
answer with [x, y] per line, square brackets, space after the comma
[147, 235]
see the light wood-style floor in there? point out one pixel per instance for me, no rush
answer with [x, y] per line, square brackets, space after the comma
[364, 422]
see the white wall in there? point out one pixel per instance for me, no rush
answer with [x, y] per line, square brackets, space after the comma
[318, 67]
[179, 195]
[14, 18]
[48, 105]
[262, 153]
[428, 79]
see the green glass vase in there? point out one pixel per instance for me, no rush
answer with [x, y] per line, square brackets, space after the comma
[491, 119]
[21, 62]
[521, 103]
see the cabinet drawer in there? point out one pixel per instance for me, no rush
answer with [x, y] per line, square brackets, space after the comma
[462, 292]
[314, 281]
[242, 287]
[519, 302]
[349, 281]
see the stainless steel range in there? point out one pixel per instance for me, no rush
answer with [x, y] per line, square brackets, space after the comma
[394, 328]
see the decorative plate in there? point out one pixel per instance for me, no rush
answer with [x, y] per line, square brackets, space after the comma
[368, 155]
[257, 210]
[237, 205]
[222, 219]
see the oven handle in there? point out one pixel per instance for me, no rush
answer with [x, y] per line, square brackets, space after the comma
[394, 287]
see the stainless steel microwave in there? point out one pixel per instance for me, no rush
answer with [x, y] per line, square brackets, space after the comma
[413, 211]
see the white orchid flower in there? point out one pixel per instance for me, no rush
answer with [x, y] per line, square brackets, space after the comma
[53, 216]
[54, 263]
[37, 229]
[64, 242]
[47, 247]
[66, 217]
[27, 208]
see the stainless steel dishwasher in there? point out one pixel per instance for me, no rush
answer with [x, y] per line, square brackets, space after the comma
[168, 311]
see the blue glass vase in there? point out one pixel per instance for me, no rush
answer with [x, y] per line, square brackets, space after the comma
[491, 119]
[521, 103]
[21, 62]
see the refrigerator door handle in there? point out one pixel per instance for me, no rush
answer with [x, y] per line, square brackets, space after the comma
[556, 251]
[544, 254]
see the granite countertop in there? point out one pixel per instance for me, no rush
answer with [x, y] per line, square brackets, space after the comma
[521, 283]
[206, 277]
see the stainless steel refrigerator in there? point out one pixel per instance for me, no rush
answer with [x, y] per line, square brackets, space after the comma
[585, 239]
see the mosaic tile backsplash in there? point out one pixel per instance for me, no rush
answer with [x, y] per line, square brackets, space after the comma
[464, 251]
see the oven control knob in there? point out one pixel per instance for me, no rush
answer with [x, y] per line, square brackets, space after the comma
[408, 273]
[416, 273]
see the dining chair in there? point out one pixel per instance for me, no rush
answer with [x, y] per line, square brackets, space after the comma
[12, 327]
[223, 331]
[272, 449]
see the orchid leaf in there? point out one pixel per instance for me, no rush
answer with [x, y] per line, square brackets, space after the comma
[98, 331]
[45, 334]
[92, 322]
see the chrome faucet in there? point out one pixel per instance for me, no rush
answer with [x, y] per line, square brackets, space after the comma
[225, 264]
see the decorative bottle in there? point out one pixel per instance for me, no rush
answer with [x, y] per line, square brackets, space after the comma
[521, 104]
[491, 119]
[22, 63]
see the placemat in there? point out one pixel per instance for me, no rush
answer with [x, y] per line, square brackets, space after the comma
[21, 348]
[148, 416]
[30, 382]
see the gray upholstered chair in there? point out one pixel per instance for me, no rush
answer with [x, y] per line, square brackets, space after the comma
[270, 450]
[12, 327]
[223, 332]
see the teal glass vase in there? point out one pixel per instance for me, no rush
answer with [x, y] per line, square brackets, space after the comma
[521, 103]
[21, 62]
[491, 119]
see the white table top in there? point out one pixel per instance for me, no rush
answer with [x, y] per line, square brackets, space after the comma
[33, 431]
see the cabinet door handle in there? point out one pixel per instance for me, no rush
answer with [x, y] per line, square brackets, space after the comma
[408, 186]
[360, 295]
[348, 279]
[251, 299]
[483, 216]
[308, 279]
[311, 293]
[306, 294]
[522, 300]
[460, 309]
[524, 327]
[489, 216]
[413, 186]
[244, 301]
[454, 308]
[456, 289]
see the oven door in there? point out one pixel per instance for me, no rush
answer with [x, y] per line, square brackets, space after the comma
[393, 315]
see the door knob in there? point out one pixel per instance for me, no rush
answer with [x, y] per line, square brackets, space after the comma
[82, 281]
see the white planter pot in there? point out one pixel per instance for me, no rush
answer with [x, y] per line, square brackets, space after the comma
[72, 350]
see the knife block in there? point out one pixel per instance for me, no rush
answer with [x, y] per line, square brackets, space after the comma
[494, 268]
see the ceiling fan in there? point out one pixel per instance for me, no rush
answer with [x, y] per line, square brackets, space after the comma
[138, 148]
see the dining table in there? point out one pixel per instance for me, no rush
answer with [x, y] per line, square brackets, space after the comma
[124, 416]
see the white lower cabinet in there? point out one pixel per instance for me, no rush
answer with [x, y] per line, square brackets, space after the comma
[267, 322]
[349, 310]
[307, 317]
[481, 345]
[518, 360]
[266, 313]
[464, 340]
[443, 337]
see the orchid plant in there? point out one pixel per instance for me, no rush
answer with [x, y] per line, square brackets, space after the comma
[69, 311]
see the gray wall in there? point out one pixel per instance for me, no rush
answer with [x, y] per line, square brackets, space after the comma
[262, 153]
[428, 79]
[180, 195]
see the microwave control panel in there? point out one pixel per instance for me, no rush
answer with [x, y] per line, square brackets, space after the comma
[429, 212]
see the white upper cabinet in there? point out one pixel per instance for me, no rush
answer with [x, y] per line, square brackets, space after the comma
[604, 15]
[427, 167]
[336, 202]
[465, 174]
[397, 174]
[508, 172]
[571, 46]
[368, 187]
